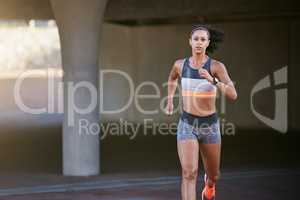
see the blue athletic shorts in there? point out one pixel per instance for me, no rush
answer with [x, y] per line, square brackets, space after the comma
[205, 129]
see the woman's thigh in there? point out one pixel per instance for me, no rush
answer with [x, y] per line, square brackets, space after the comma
[188, 151]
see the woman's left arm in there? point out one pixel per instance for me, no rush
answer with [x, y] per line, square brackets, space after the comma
[225, 84]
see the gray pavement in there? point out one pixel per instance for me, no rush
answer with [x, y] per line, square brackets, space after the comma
[254, 184]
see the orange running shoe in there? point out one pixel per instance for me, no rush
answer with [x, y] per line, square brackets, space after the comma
[208, 193]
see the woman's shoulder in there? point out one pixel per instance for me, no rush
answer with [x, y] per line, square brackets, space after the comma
[216, 65]
[216, 62]
[178, 64]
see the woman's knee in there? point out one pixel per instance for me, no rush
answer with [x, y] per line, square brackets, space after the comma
[190, 174]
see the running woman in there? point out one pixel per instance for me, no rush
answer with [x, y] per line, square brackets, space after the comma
[198, 127]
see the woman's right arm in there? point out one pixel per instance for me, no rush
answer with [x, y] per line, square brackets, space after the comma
[172, 85]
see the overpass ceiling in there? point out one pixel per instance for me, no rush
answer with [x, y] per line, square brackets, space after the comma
[139, 12]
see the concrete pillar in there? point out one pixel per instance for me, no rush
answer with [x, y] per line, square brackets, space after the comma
[79, 23]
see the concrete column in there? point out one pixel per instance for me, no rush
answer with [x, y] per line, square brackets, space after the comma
[79, 23]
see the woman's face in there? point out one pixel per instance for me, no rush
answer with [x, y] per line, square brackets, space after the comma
[199, 41]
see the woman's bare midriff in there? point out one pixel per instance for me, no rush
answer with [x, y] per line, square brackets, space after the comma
[200, 106]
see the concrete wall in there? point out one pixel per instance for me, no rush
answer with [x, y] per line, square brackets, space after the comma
[294, 62]
[117, 54]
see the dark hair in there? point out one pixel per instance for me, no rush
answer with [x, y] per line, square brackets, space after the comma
[215, 36]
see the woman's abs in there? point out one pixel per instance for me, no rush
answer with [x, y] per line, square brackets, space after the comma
[198, 105]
